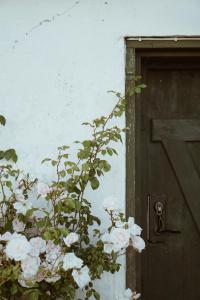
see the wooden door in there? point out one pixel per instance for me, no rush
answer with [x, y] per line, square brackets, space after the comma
[168, 157]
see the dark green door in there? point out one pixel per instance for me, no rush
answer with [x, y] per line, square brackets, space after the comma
[169, 189]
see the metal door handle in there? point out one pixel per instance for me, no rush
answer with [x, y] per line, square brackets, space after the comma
[160, 227]
[148, 222]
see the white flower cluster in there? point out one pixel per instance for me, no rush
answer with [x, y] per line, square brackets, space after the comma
[128, 295]
[21, 205]
[41, 259]
[34, 267]
[79, 273]
[122, 234]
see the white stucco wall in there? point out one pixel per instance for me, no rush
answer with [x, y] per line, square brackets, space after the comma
[57, 60]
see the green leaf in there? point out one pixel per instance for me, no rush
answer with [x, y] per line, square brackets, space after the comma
[63, 148]
[30, 212]
[33, 294]
[106, 167]
[13, 289]
[103, 152]
[2, 120]
[110, 151]
[89, 293]
[10, 154]
[64, 231]
[42, 223]
[87, 143]
[45, 160]
[85, 166]
[99, 172]
[96, 295]
[139, 88]
[9, 184]
[71, 203]
[83, 154]
[2, 153]
[96, 219]
[142, 86]
[62, 173]
[47, 235]
[54, 162]
[99, 269]
[94, 183]
[114, 151]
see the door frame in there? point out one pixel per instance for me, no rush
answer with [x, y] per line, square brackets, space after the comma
[138, 48]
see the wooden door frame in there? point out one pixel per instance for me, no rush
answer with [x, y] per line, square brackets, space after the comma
[138, 48]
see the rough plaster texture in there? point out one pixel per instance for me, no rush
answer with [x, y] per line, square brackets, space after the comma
[57, 60]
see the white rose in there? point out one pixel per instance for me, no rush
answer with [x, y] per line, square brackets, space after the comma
[22, 208]
[136, 296]
[71, 261]
[6, 236]
[18, 248]
[38, 246]
[81, 277]
[27, 284]
[137, 243]
[133, 228]
[116, 240]
[53, 278]
[51, 247]
[17, 235]
[18, 225]
[19, 195]
[30, 266]
[53, 253]
[120, 238]
[57, 263]
[128, 293]
[119, 224]
[108, 246]
[131, 221]
[43, 189]
[71, 239]
[106, 237]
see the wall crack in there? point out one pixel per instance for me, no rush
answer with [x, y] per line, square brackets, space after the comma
[42, 23]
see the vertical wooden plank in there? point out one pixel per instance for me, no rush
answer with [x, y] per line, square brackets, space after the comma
[130, 160]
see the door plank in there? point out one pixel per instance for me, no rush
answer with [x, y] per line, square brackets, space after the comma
[186, 175]
[181, 129]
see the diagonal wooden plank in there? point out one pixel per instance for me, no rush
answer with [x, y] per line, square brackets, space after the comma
[186, 174]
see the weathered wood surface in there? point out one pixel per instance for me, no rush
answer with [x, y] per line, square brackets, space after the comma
[183, 130]
[168, 163]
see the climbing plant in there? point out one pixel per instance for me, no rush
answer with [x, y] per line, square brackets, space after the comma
[49, 251]
[9, 154]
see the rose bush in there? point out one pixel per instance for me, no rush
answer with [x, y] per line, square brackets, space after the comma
[48, 253]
